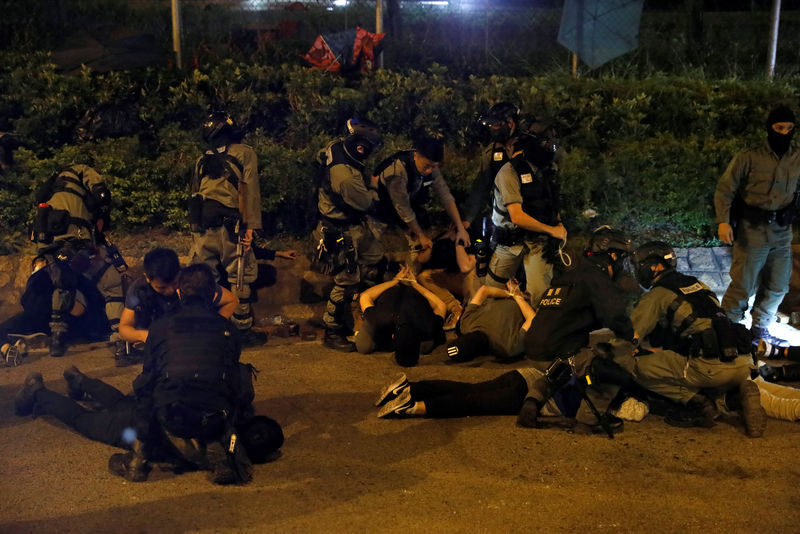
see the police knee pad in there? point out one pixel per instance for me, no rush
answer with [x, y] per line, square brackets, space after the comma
[609, 372]
[62, 301]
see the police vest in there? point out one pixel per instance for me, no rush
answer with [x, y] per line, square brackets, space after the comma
[540, 192]
[232, 173]
[688, 289]
[336, 155]
[417, 187]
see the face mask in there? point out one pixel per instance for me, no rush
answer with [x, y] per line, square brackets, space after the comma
[779, 142]
[500, 134]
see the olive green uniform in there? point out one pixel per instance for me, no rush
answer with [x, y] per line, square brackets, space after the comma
[77, 184]
[762, 254]
[674, 375]
[347, 185]
[215, 245]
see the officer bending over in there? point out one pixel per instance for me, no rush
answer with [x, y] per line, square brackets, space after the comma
[72, 215]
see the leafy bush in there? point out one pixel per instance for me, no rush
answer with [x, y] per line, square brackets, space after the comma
[643, 153]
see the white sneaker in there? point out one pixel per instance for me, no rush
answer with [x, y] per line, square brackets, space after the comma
[392, 390]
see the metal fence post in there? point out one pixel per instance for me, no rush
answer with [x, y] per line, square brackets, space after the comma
[176, 32]
[773, 38]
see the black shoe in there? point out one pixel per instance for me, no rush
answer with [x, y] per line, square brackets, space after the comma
[26, 397]
[74, 380]
[338, 342]
[529, 413]
[700, 411]
[607, 423]
[123, 358]
[770, 373]
[57, 345]
[128, 466]
[219, 464]
[252, 338]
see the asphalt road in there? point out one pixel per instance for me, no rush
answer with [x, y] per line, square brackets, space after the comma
[344, 470]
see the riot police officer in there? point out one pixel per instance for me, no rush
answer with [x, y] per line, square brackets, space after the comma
[224, 210]
[503, 124]
[756, 195]
[345, 243]
[702, 347]
[404, 181]
[72, 215]
[580, 300]
[525, 216]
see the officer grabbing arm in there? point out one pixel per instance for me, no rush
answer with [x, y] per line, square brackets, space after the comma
[344, 242]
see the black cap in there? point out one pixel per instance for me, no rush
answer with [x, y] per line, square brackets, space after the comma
[780, 114]
[468, 347]
[261, 436]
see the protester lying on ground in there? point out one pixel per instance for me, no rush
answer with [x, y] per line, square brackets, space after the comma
[402, 316]
[494, 322]
[448, 271]
[153, 296]
[112, 421]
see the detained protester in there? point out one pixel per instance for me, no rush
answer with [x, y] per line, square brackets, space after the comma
[402, 316]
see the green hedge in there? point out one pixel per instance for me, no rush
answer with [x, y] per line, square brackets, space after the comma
[643, 153]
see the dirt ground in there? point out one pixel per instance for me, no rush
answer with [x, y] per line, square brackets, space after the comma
[344, 470]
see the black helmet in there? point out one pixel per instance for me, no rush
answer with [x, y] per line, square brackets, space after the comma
[535, 150]
[261, 437]
[218, 128]
[500, 112]
[364, 133]
[651, 254]
[496, 119]
[606, 240]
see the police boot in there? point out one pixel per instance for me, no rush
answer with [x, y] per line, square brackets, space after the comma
[132, 465]
[26, 397]
[529, 413]
[606, 424]
[252, 338]
[123, 356]
[336, 340]
[58, 344]
[753, 414]
[700, 411]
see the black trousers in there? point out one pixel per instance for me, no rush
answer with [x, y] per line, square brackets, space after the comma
[503, 395]
[106, 426]
[25, 322]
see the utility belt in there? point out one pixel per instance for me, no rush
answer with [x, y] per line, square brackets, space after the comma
[206, 214]
[50, 222]
[335, 251]
[724, 341]
[508, 237]
[783, 216]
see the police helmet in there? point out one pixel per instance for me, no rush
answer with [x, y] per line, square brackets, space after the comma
[363, 133]
[500, 112]
[603, 242]
[535, 150]
[650, 254]
[219, 127]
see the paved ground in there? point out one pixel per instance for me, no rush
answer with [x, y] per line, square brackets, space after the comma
[344, 470]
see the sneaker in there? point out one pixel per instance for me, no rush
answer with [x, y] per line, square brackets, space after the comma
[770, 373]
[753, 414]
[339, 342]
[253, 338]
[128, 466]
[529, 414]
[768, 351]
[632, 410]
[613, 424]
[392, 390]
[26, 397]
[74, 379]
[397, 407]
[763, 333]
[219, 464]
[452, 319]
[13, 354]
